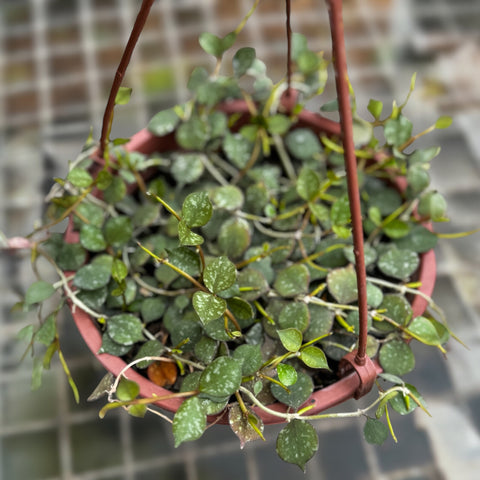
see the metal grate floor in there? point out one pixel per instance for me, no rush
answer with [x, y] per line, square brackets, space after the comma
[57, 59]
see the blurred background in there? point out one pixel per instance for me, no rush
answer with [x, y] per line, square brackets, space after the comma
[57, 60]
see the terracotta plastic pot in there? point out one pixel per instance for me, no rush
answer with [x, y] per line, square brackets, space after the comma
[345, 388]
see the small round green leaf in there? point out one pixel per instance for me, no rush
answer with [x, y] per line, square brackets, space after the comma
[123, 96]
[286, 374]
[250, 356]
[152, 309]
[152, 348]
[294, 315]
[313, 357]
[342, 284]
[398, 130]
[125, 329]
[433, 205]
[46, 333]
[187, 237]
[303, 143]
[38, 292]
[115, 191]
[221, 378]
[228, 197]
[197, 209]
[278, 124]
[292, 281]
[297, 443]
[424, 329]
[127, 390]
[219, 274]
[298, 393]
[237, 148]
[79, 177]
[113, 348]
[291, 339]
[396, 357]
[419, 240]
[164, 122]
[187, 167]
[118, 230]
[71, 256]
[234, 237]
[398, 263]
[395, 307]
[92, 277]
[308, 184]
[208, 306]
[189, 421]
[443, 122]
[404, 405]
[242, 61]
[91, 238]
[375, 431]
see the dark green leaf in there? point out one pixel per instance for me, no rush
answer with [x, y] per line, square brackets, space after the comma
[152, 309]
[303, 143]
[250, 357]
[238, 149]
[152, 348]
[189, 422]
[375, 431]
[214, 45]
[397, 130]
[398, 263]
[197, 209]
[113, 348]
[115, 191]
[297, 443]
[342, 284]
[278, 124]
[234, 237]
[187, 167]
[208, 306]
[187, 237]
[46, 333]
[91, 237]
[219, 274]
[292, 281]
[79, 177]
[308, 184]
[164, 122]
[396, 357]
[125, 329]
[118, 230]
[221, 378]
[242, 61]
[433, 205]
[92, 277]
[294, 315]
[299, 393]
[228, 197]
[192, 135]
[38, 292]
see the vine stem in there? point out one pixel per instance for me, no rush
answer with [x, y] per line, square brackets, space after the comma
[346, 120]
[120, 73]
[298, 416]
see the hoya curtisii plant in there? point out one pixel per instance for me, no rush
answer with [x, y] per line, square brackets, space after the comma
[224, 268]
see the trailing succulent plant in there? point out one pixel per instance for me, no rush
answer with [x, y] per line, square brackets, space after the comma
[223, 269]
